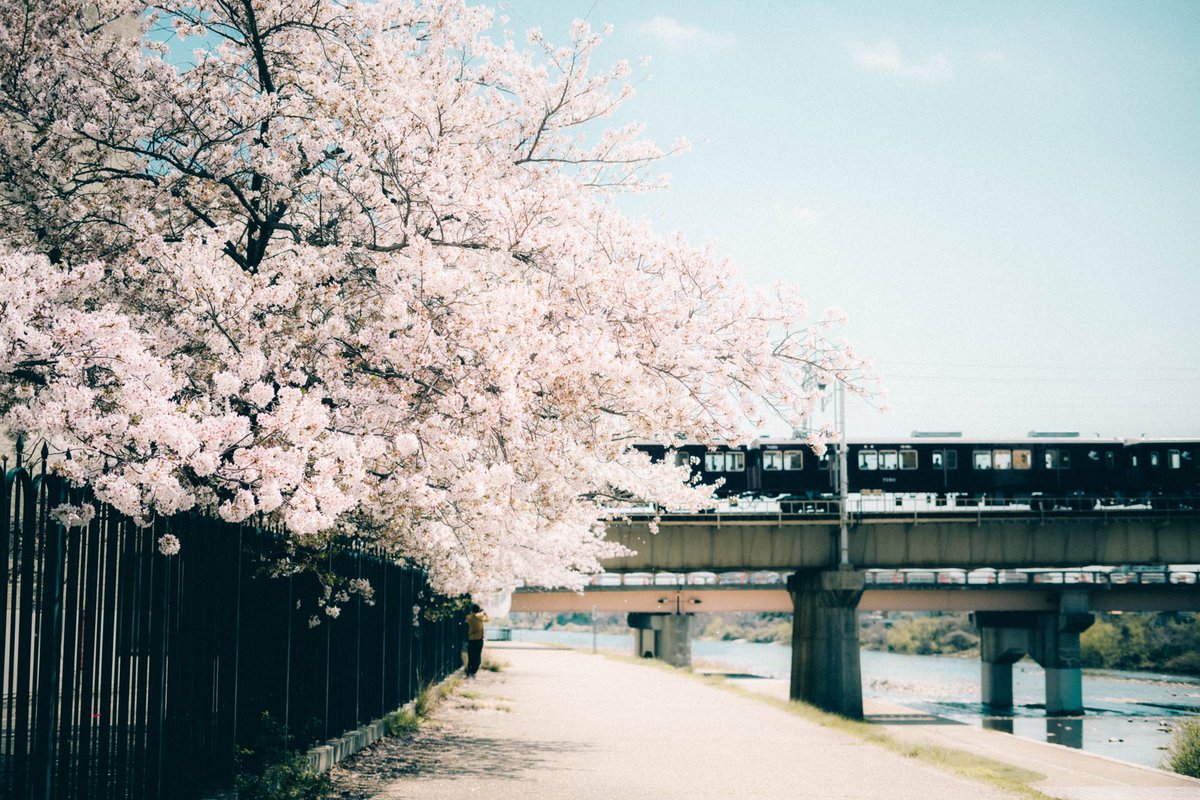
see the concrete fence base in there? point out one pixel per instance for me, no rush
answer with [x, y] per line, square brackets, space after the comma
[323, 757]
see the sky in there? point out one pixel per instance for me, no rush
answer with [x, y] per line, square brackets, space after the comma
[1003, 197]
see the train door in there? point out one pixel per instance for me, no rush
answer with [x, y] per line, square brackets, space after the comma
[1056, 462]
[754, 482]
[944, 463]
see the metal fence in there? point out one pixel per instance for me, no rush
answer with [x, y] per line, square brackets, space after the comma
[132, 674]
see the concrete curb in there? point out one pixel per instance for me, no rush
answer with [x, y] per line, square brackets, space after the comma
[322, 758]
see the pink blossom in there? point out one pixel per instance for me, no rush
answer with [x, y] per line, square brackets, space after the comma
[352, 278]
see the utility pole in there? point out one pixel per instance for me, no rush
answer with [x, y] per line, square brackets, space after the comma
[839, 421]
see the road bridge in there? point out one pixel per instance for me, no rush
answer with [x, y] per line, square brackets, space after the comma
[1174, 590]
[824, 596]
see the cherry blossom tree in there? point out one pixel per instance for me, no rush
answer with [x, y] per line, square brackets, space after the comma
[358, 266]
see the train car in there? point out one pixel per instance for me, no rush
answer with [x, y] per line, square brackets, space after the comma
[1043, 471]
[726, 466]
[1164, 472]
[788, 470]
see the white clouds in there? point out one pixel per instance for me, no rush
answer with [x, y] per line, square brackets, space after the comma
[670, 33]
[886, 57]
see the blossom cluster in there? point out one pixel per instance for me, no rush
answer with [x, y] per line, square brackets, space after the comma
[358, 266]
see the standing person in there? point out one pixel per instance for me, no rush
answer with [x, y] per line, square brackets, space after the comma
[475, 620]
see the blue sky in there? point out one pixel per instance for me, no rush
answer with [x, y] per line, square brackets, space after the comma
[1003, 197]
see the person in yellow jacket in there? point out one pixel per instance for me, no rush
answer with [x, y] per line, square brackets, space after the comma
[475, 620]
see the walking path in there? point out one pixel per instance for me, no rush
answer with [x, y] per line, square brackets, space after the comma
[565, 724]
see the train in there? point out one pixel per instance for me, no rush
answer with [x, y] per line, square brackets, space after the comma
[1044, 472]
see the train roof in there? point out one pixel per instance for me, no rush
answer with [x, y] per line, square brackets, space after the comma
[947, 440]
[952, 440]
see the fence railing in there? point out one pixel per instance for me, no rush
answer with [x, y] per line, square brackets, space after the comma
[127, 673]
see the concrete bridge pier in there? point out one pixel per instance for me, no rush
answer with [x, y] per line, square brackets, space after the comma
[1050, 637]
[999, 648]
[825, 659]
[666, 637]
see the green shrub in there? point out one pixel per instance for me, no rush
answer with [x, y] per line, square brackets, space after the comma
[292, 779]
[1183, 756]
[402, 723]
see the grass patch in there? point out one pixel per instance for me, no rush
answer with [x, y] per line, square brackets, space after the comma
[493, 666]
[430, 697]
[402, 723]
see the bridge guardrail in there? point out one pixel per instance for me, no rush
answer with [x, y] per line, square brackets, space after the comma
[907, 578]
[921, 507]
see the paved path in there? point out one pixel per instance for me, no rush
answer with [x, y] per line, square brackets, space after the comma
[571, 725]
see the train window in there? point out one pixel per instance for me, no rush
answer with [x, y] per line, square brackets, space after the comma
[908, 459]
[888, 459]
[682, 459]
[714, 462]
[1022, 459]
[735, 462]
[772, 460]
[1058, 459]
[1110, 459]
[868, 459]
[983, 459]
[945, 459]
[1154, 458]
[1173, 459]
[1133, 460]
[793, 459]
[1002, 459]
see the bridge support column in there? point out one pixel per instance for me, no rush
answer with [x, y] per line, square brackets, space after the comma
[1056, 648]
[1051, 638]
[666, 637]
[825, 658]
[999, 649]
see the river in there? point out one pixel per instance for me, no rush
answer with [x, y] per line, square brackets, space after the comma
[1129, 715]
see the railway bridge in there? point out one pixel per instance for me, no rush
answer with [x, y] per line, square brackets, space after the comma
[1043, 620]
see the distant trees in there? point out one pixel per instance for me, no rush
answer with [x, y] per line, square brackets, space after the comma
[1143, 641]
[751, 627]
[938, 634]
[357, 266]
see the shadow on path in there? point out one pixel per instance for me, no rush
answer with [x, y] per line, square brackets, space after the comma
[442, 753]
